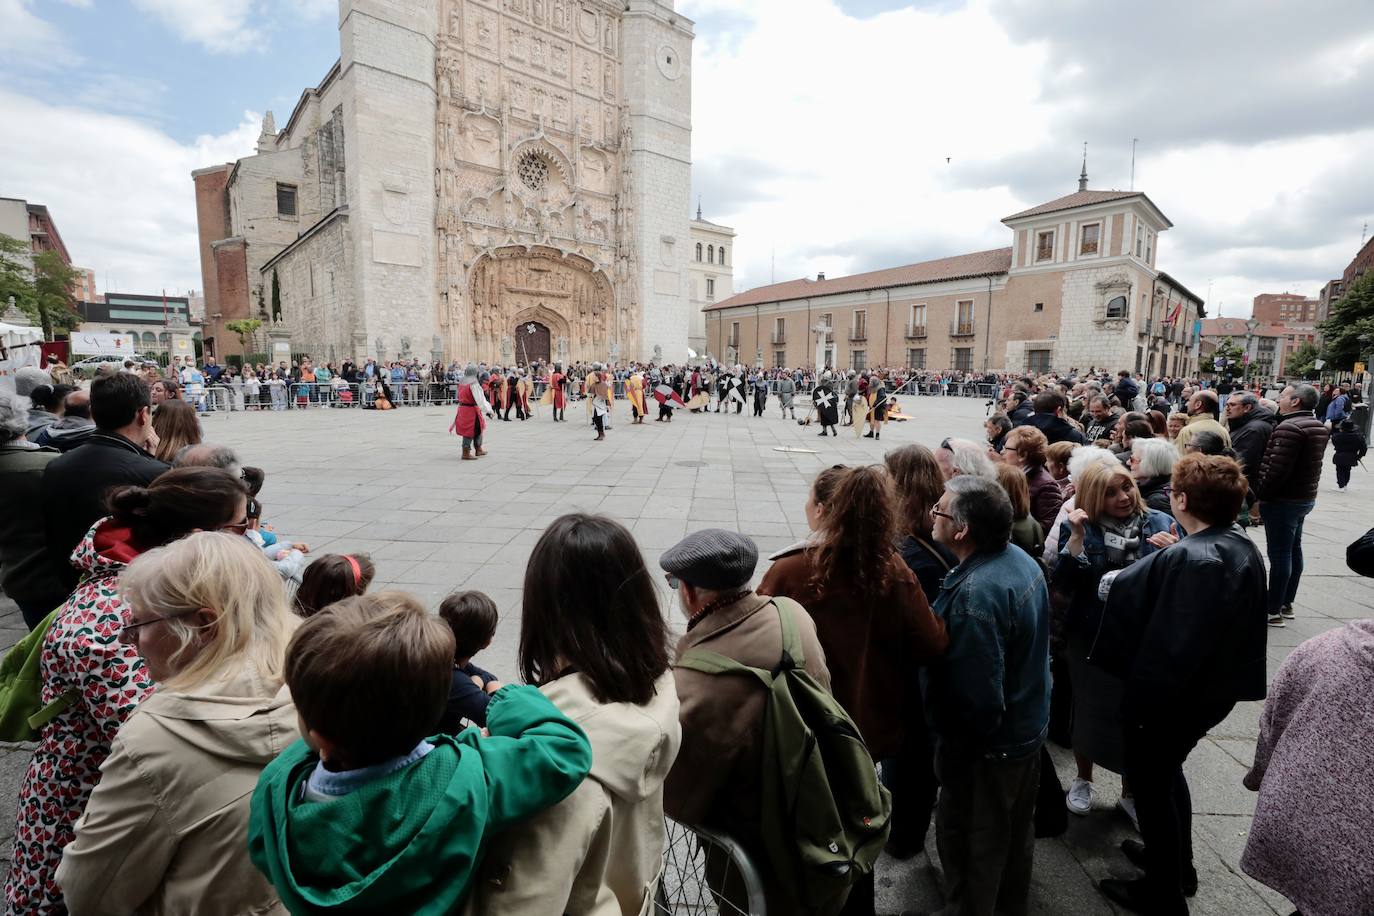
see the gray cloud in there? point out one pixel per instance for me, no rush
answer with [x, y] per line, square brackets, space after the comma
[729, 184]
[1178, 71]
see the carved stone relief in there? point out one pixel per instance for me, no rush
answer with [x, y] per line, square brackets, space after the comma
[587, 26]
[566, 293]
[482, 30]
[481, 140]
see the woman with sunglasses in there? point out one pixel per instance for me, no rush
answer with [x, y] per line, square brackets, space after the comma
[164, 830]
[92, 681]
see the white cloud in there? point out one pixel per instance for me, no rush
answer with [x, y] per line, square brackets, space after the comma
[25, 38]
[119, 190]
[221, 26]
[850, 144]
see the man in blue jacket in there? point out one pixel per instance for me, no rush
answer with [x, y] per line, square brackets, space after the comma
[988, 701]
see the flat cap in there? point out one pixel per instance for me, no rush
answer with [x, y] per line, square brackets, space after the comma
[713, 559]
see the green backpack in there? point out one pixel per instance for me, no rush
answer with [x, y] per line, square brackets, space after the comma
[22, 712]
[825, 815]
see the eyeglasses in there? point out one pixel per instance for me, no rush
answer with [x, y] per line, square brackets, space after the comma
[938, 514]
[673, 581]
[132, 627]
[1011, 448]
[239, 527]
[946, 444]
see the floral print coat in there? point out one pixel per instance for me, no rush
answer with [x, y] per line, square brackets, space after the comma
[82, 650]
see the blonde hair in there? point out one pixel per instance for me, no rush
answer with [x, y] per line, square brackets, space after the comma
[225, 573]
[1090, 489]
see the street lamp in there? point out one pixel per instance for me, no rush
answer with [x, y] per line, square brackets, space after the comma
[1250, 355]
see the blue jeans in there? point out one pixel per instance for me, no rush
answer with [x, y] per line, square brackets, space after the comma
[1283, 541]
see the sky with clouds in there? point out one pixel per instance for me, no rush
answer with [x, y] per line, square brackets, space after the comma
[834, 135]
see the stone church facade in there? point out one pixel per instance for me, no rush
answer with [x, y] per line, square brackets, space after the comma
[499, 180]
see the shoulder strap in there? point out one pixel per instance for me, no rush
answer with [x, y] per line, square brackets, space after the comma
[791, 642]
[54, 709]
[708, 662]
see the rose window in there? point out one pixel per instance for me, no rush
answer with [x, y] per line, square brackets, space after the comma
[533, 170]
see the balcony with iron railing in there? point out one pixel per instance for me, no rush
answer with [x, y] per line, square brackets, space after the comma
[915, 331]
[959, 328]
[857, 335]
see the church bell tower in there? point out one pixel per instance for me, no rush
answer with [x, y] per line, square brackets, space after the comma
[658, 101]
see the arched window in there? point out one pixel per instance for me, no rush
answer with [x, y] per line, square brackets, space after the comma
[722, 254]
[698, 251]
[1116, 308]
[710, 254]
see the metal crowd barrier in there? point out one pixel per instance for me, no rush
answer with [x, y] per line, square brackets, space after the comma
[308, 395]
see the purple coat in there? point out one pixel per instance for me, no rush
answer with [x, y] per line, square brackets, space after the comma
[1311, 839]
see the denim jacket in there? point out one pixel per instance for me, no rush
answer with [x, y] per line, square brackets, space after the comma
[1078, 576]
[989, 695]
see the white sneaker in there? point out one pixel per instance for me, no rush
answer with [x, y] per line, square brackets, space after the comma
[1080, 797]
[1127, 806]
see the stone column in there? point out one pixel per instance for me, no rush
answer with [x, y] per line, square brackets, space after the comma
[280, 337]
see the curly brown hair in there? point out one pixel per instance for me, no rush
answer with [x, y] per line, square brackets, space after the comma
[918, 484]
[858, 525]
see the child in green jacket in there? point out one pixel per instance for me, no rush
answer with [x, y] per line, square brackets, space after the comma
[367, 814]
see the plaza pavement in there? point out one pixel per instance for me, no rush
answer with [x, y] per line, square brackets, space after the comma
[392, 485]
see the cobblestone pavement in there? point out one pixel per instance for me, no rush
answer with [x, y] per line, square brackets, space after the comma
[391, 484]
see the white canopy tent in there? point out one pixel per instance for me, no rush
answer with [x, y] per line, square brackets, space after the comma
[19, 347]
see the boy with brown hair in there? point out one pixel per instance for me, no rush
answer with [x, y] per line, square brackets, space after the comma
[472, 618]
[372, 811]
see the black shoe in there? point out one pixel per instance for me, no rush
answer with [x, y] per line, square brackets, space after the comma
[868, 435]
[1134, 851]
[824, 433]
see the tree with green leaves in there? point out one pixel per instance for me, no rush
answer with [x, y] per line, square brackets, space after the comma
[1301, 362]
[1227, 350]
[1351, 318]
[245, 328]
[54, 281]
[41, 285]
[16, 279]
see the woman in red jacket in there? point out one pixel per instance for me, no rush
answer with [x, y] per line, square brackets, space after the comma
[871, 616]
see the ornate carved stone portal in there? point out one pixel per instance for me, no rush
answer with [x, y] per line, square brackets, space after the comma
[531, 175]
[559, 295]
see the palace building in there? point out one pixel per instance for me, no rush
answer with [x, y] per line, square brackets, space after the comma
[500, 180]
[1077, 288]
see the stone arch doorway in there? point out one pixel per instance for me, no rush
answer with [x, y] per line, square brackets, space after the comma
[533, 343]
[564, 293]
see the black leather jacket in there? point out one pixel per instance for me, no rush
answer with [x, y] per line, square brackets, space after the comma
[1187, 625]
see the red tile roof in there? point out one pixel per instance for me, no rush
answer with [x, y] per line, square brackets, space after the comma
[959, 267]
[1076, 199]
[1235, 327]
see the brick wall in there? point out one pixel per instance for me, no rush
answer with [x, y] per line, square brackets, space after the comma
[212, 224]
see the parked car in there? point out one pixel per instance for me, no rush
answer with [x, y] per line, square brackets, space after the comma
[88, 366]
